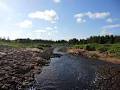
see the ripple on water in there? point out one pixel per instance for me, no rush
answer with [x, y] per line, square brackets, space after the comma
[68, 73]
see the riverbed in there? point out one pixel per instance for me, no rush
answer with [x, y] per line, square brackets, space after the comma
[68, 72]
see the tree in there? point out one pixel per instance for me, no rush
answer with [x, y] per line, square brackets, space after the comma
[73, 41]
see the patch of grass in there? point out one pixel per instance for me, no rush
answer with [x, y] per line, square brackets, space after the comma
[24, 45]
[90, 47]
[79, 46]
[113, 49]
[103, 48]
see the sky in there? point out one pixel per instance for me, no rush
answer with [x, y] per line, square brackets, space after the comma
[58, 19]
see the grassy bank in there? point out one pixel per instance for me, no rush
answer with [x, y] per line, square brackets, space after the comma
[107, 52]
[24, 45]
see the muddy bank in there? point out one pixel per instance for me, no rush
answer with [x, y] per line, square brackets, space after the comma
[94, 55]
[107, 75]
[18, 66]
[107, 78]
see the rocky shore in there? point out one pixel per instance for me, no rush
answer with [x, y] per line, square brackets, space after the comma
[18, 66]
[94, 55]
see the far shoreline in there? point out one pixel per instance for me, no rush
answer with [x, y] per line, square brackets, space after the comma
[94, 55]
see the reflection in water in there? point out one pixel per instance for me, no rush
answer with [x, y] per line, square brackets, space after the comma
[67, 72]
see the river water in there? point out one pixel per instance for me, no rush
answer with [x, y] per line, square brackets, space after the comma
[67, 73]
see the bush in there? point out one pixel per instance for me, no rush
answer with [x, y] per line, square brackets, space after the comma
[115, 50]
[79, 46]
[42, 46]
[102, 49]
[90, 47]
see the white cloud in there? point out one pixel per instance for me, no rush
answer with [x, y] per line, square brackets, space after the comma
[46, 31]
[47, 15]
[56, 1]
[79, 15]
[40, 31]
[55, 27]
[97, 15]
[12, 34]
[3, 6]
[44, 34]
[80, 20]
[106, 29]
[109, 20]
[105, 32]
[112, 26]
[49, 28]
[25, 24]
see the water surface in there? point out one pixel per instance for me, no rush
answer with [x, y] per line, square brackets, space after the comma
[68, 73]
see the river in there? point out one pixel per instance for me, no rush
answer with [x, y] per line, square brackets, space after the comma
[68, 72]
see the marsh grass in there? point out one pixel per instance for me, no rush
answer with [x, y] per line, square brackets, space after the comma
[113, 49]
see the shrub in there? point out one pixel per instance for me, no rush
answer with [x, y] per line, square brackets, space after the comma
[79, 46]
[40, 47]
[115, 50]
[90, 47]
[102, 49]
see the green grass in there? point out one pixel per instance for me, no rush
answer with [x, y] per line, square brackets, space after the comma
[113, 49]
[24, 45]
[79, 46]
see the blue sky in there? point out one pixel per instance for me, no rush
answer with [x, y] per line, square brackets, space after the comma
[59, 19]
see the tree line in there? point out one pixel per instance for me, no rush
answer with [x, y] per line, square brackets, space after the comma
[108, 39]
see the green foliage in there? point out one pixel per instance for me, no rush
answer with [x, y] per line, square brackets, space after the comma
[90, 47]
[42, 46]
[79, 46]
[73, 41]
[115, 50]
[108, 39]
[103, 48]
